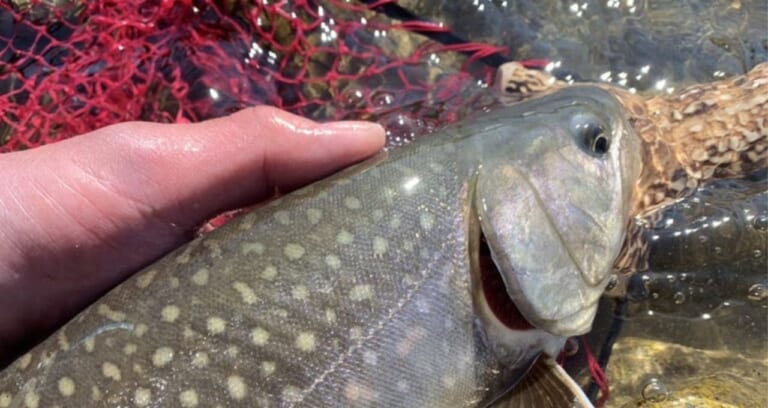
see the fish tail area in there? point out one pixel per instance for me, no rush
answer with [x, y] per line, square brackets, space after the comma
[546, 385]
[703, 132]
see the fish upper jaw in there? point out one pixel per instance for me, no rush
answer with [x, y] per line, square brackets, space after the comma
[540, 272]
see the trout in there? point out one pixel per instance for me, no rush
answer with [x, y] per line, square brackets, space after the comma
[440, 274]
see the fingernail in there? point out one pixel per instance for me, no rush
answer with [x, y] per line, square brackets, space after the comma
[349, 126]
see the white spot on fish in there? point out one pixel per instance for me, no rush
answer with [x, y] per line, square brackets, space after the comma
[394, 223]
[412, 337]
[293, 251]
[333, 261]
[188, 398]
[66, 386]
[330, 315]
[305, 341]
[247, 221]
[377, 215]
[300, 292]
[246, 293]
[344, 237]
[426, 220]
[129, 349]
[139, 330]
[216, 325]
[370, 357]
[95, 393]
[110, 370]
[213, 247]
[355, 392]
[200, 359]
[267, 367]
[110, 314]
[90, 344]
[283, 217]
[252, 248]
[170, 313]
[259, 336]
[173, 282]
[352, 203]
[236, 386]
[361, 292]
[31, 399]
[291, 394]
[355, 333]
[62, 341]
[232, 352]
[449, 381]
[24, 361]
[314, 215]
[5, 400]
[183, 258]
[436, 167]
[142, 397]
[269, 272]
[187, 332]
[200, 278]
[146, 278]
[162, 356]
[379, 246]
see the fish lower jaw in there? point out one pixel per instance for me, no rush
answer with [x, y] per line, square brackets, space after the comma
[575, 324]
[524, 343]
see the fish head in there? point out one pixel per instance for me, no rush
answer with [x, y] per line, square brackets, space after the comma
[552, 199]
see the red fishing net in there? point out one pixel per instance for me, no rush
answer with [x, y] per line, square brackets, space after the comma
[74, 67]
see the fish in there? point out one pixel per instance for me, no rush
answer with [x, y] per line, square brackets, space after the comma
[438, 274]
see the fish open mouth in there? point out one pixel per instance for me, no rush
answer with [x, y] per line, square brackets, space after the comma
[495, 291]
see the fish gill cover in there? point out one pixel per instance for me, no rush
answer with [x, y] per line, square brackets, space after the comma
[69, 67]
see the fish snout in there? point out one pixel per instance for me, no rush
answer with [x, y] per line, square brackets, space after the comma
[552, 274]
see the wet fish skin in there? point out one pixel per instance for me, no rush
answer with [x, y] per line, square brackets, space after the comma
[357, 291]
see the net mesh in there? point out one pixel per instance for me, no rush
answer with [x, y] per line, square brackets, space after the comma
[71, 67]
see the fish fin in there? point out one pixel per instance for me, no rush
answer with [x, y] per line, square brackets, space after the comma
[546, 385]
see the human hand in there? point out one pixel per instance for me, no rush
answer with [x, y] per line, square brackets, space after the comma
[77, 217]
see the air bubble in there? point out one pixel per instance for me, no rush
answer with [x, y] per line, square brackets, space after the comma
[655, 391]
[757, 292]
[382, 98]
[678, 298]
[761, 222]
[757, 253]
[353, 98]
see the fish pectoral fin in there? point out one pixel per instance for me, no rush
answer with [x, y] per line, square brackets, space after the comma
[546, 385]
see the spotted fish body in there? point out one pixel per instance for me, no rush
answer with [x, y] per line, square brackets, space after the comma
[363, 289]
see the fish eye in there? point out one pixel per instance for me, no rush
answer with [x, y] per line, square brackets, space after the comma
[590, 133]
[595, 137]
